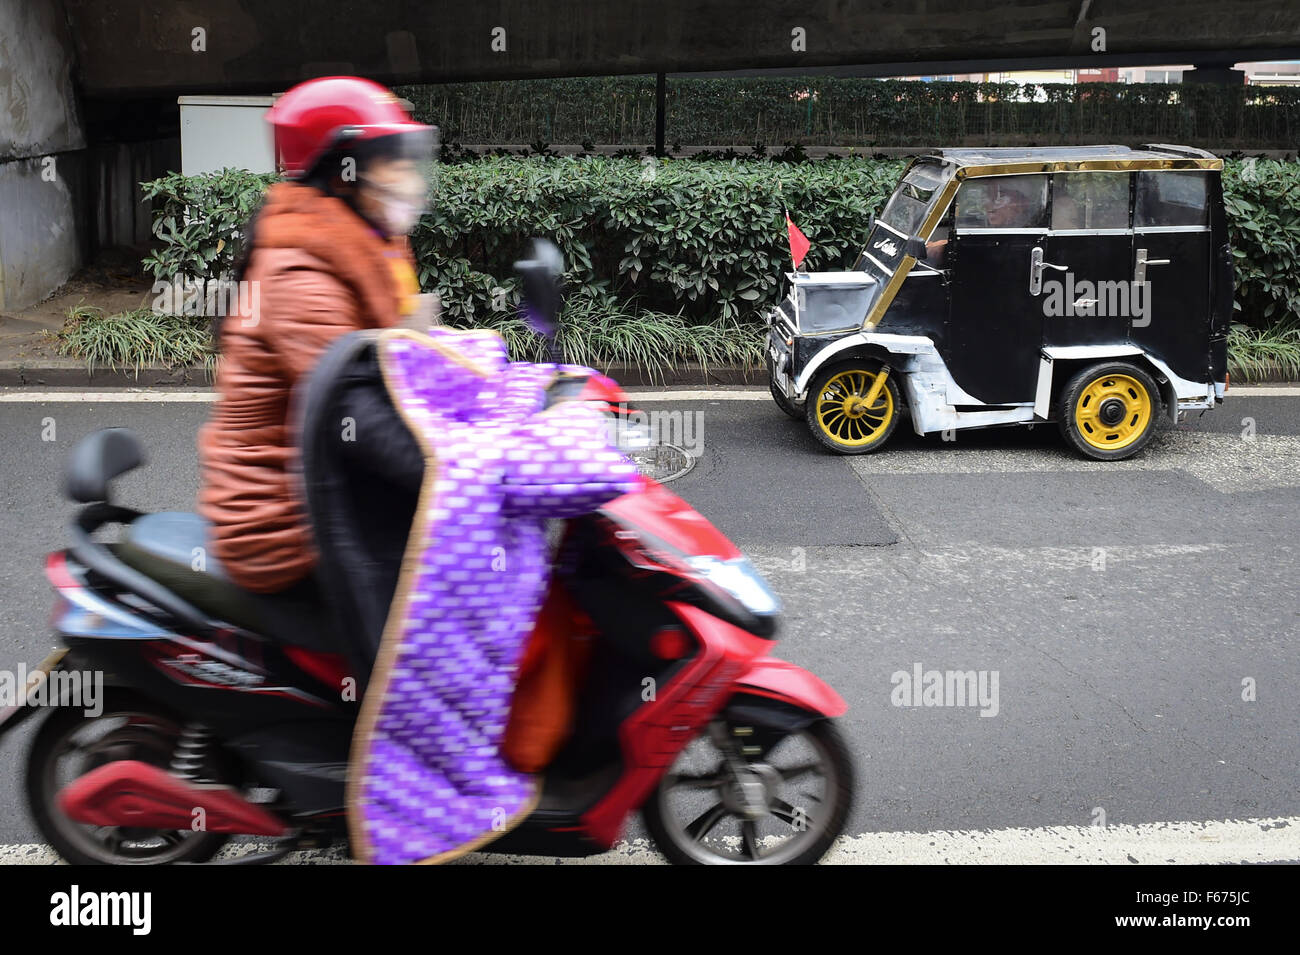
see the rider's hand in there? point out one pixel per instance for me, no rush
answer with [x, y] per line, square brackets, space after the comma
[427, 313]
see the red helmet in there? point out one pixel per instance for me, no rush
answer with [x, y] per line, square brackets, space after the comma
[314, 117]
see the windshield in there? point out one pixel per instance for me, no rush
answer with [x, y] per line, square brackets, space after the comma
[912, 199]
[902, 219]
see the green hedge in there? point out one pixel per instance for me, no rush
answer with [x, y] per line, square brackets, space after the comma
[694, 243]
[706, 239]
[848, 111]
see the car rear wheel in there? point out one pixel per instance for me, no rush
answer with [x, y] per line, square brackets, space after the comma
[838, 413]
[1108, 412]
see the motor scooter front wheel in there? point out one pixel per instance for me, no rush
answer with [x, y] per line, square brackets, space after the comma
[70, 744]
[746, 794]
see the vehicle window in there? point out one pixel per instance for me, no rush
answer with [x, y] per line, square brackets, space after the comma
[1002, 202]
[1090, 200]
[1171, 198]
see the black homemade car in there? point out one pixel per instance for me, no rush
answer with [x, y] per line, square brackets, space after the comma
[1087, 285]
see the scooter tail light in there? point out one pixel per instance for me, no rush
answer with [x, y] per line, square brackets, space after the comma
[670, 643]
[56, 571]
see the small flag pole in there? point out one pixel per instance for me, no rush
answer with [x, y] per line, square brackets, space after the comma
[786, 212]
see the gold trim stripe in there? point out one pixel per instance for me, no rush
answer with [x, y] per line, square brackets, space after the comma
[1029, 166]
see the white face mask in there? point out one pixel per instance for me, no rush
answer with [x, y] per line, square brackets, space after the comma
[400, 209]
[400, 215]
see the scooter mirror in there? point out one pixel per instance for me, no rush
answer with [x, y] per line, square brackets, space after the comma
[542, 276]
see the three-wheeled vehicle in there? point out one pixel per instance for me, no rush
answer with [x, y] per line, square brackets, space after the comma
[1086, 285]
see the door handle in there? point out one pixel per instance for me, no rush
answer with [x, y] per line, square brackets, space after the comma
[1036, 266]
[1140, 269]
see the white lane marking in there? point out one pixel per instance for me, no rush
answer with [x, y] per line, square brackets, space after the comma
[774, 561]
[1226, 462]
[1159, 843]
[1263, 391]
[99, 397]
[739, 394]
[1182, 843]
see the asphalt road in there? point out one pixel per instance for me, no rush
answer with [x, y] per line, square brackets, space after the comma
[1121, 606]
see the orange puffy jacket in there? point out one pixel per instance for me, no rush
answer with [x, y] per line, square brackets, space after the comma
[318, 271]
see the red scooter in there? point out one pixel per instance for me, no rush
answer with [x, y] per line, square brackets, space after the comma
[730, 754]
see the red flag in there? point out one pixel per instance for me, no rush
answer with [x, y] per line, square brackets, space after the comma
[799, 244]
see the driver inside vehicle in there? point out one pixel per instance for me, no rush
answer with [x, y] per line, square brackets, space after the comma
[982, 204]
[1007, 210]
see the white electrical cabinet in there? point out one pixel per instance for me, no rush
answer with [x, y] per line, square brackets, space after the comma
[225, 131]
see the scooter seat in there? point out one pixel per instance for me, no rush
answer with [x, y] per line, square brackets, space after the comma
[179, 537]
[174, 548]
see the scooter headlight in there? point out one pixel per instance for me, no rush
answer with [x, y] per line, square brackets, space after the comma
[738, 578]
[628, 435]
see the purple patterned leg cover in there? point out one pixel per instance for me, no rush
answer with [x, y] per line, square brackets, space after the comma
[427, 781]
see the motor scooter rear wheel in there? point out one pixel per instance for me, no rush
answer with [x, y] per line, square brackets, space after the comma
[70, 744]
[778, 799]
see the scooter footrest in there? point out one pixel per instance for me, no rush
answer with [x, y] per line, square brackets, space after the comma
[127, 792]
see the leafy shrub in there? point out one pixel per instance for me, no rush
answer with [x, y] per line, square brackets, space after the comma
[703, 239]
[598, 331]
[197, 220]
[1262, 199]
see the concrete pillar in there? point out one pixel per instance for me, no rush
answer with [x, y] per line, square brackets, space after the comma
[40, 139]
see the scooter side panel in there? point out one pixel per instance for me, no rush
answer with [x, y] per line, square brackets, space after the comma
[653, 736]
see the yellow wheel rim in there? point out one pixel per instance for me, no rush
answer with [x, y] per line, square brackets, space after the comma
[842, 412]
[1112, 412]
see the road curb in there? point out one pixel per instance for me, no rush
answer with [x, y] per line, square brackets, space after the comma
[69, 372]
[72, 373]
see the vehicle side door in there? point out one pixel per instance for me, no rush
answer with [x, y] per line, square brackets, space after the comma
[1172, 255]
[995, 323]
[1086, 269]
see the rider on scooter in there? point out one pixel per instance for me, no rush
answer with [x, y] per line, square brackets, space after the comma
[328, 255]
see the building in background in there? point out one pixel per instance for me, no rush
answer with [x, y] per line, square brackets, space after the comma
[1280, 73]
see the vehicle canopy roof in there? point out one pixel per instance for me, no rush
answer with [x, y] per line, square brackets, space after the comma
[1010, 160]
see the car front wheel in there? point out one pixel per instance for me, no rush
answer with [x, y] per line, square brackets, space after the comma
[847, 413]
